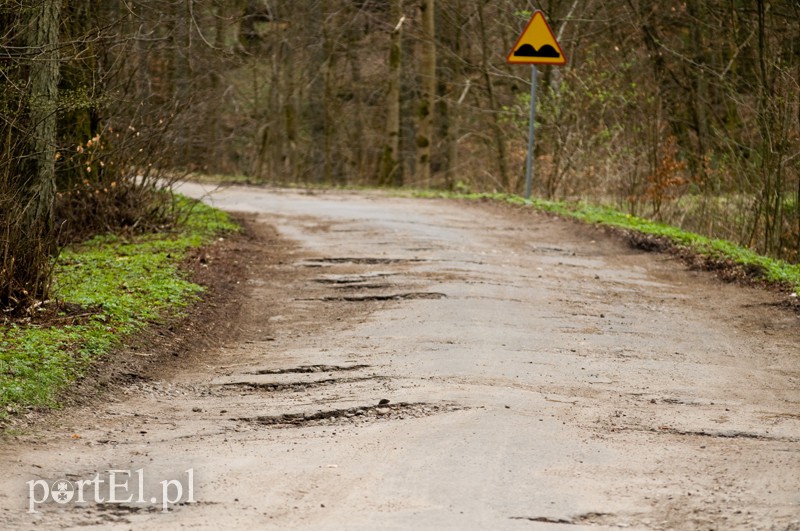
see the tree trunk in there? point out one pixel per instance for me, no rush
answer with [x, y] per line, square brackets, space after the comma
[328, 130]
[497, 131]
[390, 168]
[42, 38]
[356, 137]
[450, 26]
[427, 94]
[314, 110]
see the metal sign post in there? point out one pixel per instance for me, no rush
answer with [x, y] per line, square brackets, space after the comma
[536, 46]
[531, 136]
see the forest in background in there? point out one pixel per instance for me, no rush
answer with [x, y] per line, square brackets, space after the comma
[681, 111]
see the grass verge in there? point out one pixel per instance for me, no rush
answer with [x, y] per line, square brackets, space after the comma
[714, 251]
[108, 288]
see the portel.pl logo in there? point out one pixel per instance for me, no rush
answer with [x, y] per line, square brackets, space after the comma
[114, 486]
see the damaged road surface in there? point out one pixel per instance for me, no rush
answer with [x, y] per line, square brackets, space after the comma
[411, 364]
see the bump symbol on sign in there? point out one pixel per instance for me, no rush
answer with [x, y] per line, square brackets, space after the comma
[537, 45]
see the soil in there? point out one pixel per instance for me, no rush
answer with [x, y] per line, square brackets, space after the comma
[364, 361]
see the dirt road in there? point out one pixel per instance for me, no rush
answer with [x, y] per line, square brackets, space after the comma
[410, 364]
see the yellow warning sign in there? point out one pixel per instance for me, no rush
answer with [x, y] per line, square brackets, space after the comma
[537, 45]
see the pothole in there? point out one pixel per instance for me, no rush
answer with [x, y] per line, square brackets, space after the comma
[544, 519]
[306, 369]
[351, 279]
[728, 434]
[352, 415]
[674, 401]
[354, 287]
[295, 386]
[362, 260]
[121, 509]
[713, 434]
[552, 250]
[582, 519]
[386, 297]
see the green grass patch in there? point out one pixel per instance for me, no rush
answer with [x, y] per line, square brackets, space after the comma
[121, 285]
[771, 270]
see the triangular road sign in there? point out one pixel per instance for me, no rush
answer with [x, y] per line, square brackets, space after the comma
[537, 45]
